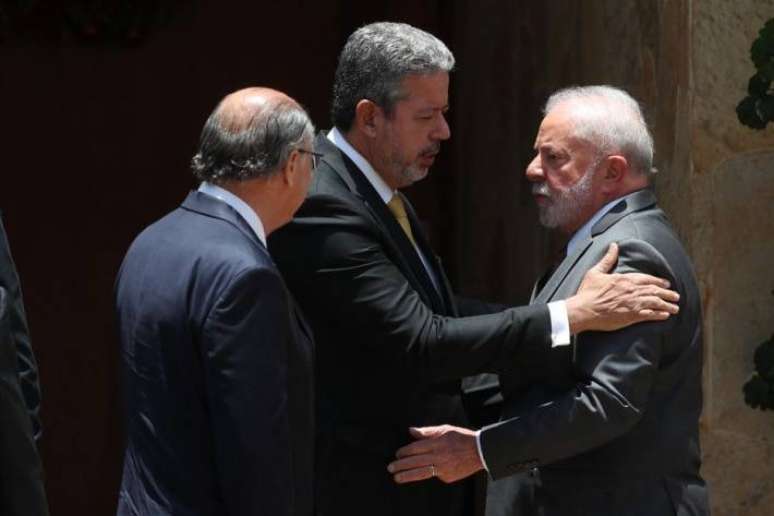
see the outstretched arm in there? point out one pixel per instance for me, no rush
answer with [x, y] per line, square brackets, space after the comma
[336, 255]
[615, 370]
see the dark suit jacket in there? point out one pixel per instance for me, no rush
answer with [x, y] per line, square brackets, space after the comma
[21, 473]
[617, 433]
[390, 349]
[17, 320]
[217, 372]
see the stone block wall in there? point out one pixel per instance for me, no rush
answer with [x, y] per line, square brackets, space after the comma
[732, 242]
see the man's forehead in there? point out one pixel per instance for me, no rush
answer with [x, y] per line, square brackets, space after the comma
[557, 131]
[426, 88]
[553, 127]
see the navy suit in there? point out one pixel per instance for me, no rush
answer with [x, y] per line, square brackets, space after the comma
[217, 372]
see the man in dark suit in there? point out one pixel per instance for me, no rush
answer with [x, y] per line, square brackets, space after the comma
[392, 344]
[21, 473]
[217, 360]
[615, 432]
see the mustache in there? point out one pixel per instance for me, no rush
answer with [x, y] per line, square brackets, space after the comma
[431, 149]
[541, 189]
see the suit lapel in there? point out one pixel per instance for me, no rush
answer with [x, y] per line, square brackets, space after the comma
[636, 201]
[561, 272]
[446, 289]
[400, 246]
[540, 283]
[535, 290]
[631, 203]
[441, 284]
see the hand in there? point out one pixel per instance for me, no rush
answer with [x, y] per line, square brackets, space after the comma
[607, 302]
[447, 452]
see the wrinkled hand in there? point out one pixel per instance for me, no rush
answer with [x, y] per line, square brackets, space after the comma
[447, 452]
[607, 302]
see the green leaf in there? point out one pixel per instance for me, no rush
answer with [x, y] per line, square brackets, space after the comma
[764, 355]
[747, 112]
[758, 85]
[766, 110]
[762, 49]
[757, 393]
[767, 70]
[768, 29]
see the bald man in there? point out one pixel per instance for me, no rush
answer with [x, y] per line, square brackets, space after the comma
[216, 359]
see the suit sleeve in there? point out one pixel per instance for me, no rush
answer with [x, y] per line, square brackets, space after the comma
[244, 347]
[468, 306]
[334, 259]
[27, 366]
[615, 373]
[21, 473]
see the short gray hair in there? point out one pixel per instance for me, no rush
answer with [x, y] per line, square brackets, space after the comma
[375, 60]
[611, 119]
[258, 147]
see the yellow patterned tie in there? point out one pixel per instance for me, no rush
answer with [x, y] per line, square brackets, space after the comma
[399, 210]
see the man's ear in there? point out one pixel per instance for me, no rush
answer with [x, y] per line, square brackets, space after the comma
[292, 168]
[616, 170]
[366, 115]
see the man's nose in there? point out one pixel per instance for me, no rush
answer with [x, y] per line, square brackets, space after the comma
[534, 170]
[442, 131]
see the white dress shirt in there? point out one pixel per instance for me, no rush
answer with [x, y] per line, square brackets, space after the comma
[241, 207]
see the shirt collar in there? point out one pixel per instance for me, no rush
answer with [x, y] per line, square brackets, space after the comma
[241, 207]
[384, 191]
[584, 232]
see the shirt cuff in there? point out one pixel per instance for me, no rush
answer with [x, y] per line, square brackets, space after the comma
[560, 324]
[480, 453]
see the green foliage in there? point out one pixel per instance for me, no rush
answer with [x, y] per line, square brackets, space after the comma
[756, 110]
[759, 389]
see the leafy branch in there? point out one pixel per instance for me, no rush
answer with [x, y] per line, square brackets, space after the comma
[759, 389]
[757, 108]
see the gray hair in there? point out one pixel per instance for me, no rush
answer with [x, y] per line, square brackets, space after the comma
[612, 120]
[257, 146]
[374, 62]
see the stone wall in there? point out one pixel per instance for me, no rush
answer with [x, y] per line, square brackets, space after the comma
[732, 241]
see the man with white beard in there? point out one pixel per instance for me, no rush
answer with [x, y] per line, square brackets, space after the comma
[614, 432]
[564, 205]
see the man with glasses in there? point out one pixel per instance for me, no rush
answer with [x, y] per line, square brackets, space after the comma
[314, 155]
[217, 360]
[391, 342]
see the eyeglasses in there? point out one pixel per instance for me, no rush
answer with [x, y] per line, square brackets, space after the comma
[315, 156]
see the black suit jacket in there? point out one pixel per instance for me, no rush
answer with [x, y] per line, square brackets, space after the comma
[19, 333]
[217, 372]
[21, 472]
[617, 433]
[390, 349]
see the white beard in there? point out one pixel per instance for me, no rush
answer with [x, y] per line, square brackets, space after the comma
[564, 207]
